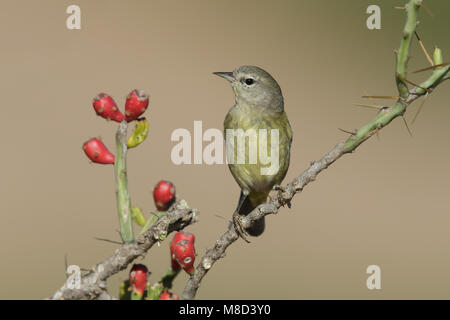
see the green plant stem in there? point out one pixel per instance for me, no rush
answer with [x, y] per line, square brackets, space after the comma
[122, 194]
[412, 9]
[386, 115]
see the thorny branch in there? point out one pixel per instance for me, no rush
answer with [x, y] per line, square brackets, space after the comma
[93, 283]
[284, 195]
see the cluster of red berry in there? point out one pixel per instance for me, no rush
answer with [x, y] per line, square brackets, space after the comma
[105, 106]
[182, 250]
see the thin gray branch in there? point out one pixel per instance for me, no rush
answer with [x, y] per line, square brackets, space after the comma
[93, 284]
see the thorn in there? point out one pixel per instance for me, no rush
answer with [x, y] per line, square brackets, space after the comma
[414, 84]
[378, 133]
[381, 97]
[346, 131]
[424, 49]
[118, 232]
[427, 10]
[221, 217]
[107, 240]
[417, 36]
[406, 125]
[373, 101]
[420, 108]
[409, 58]
[433, 67]
[399, 8]
[371, 106]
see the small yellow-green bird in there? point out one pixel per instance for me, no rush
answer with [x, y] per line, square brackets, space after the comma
[259, 105]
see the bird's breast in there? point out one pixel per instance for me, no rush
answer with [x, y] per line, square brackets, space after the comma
[259, 144]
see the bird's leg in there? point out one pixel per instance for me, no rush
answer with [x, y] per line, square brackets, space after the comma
[238, 227]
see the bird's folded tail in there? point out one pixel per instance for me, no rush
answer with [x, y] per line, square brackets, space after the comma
[244, 207]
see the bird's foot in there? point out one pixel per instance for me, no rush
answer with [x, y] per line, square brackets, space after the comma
[281, 199]
[239, 228]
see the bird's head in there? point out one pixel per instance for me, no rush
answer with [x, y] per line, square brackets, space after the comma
[254, 87]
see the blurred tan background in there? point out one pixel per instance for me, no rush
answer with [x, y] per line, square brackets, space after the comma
[387, 204]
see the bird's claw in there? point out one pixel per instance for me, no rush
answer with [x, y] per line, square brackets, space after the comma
[277, 187]
[239, 228]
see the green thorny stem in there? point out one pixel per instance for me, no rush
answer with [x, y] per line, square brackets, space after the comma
[386, 115]
[122, 195]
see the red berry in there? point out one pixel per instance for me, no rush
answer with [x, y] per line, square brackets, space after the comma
[136, 104]
[97, 152]
[167, 295]
[105, 107]
[138, 278]
[181, 235]
[184, 254]
[164, 195]
[175, 265]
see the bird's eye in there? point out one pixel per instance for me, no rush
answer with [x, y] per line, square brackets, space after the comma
[249, 81]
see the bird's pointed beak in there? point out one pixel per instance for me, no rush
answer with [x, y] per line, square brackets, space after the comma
[225, 75]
